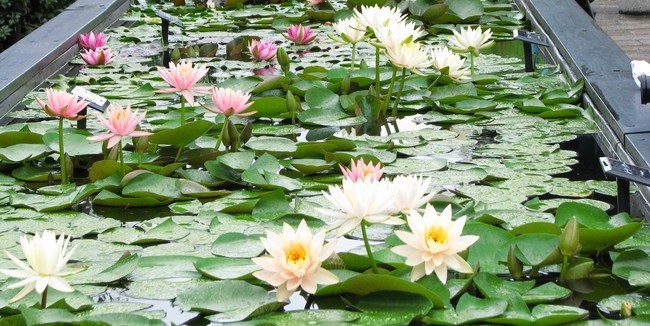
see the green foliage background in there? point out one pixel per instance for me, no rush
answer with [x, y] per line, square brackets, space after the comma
[19, 17]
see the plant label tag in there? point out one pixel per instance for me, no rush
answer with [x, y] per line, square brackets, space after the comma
[625, 171]
[165, 16]
[96, 102]
[530, 37]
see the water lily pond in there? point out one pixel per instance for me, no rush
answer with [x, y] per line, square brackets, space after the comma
[181, 219]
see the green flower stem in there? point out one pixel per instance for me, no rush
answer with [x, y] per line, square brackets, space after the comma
[471, 62]
[565, 261]
[377, 80]
[44, 298]
[399, 92]
[178, 153]
[367, 244]
[354, 54]
[434, 83]
[182, 110]
[64, 170]
[384, 107]
[223, 129]
[121, 156]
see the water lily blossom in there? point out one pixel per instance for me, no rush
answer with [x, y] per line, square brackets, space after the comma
[359, 170]
[299, 34]
[46, 258]
[410, 192]
[395, 34]
[314, 3]
[62, 104]
[412, 56]
[98, 56]
[263, 50]
[434, 243]
[92, 41]
[443, 58]
[471, 40]
[230, 102]
[349, 30]
[120, 123]
[294, 260]
[183, 77]
[376, 16]
[364, 200]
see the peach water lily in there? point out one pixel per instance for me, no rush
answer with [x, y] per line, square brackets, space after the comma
[294, 260]
[46, 259]
[92, 41]
[299, 34]
[262, 50]
[183, 78]
[63, 105]
[120, 122]
[471, 41]
[98, 56]
[359, 170]
[434, 243]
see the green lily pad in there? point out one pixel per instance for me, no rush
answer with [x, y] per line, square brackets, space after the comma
[232, 295]
[237, 245]
[225, 268]
[469, 309]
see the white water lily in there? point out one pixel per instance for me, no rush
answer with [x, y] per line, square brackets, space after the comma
[412, 56]
[294, 260]
[410, 193]
[443, 58]
[46, 257]
[395, 34]
[364, 200]
[377, 16]
[434, 243]
[349, 30]
[471, 40]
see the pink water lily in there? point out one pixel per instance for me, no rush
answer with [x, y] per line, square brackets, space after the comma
[434, 243]
[263, 50]
[315, 2]
[294, 260]
[183, 77]
[62, 104]
[230, 102]
[120, 123]
[299, 34]
[92, 41]
[359, 170]
[98, 56]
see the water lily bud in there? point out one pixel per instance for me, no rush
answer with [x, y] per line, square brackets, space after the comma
[176, 54]
[283, 60]
[69, 166]
[292, 104]
[225, 137]
[234, 134]
[141, 144]
[246, 133]
[515, 266]
[345, 85]
[626, 309]
[363, 65]
[570, 238]
[113, 153]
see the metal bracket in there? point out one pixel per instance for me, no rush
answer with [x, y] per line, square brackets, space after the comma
[624, 173]
[530, 38]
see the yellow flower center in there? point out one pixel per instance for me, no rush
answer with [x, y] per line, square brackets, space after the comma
[437, 234]
[296, 254]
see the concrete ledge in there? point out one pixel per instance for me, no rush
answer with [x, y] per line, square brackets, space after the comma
[48, 49]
